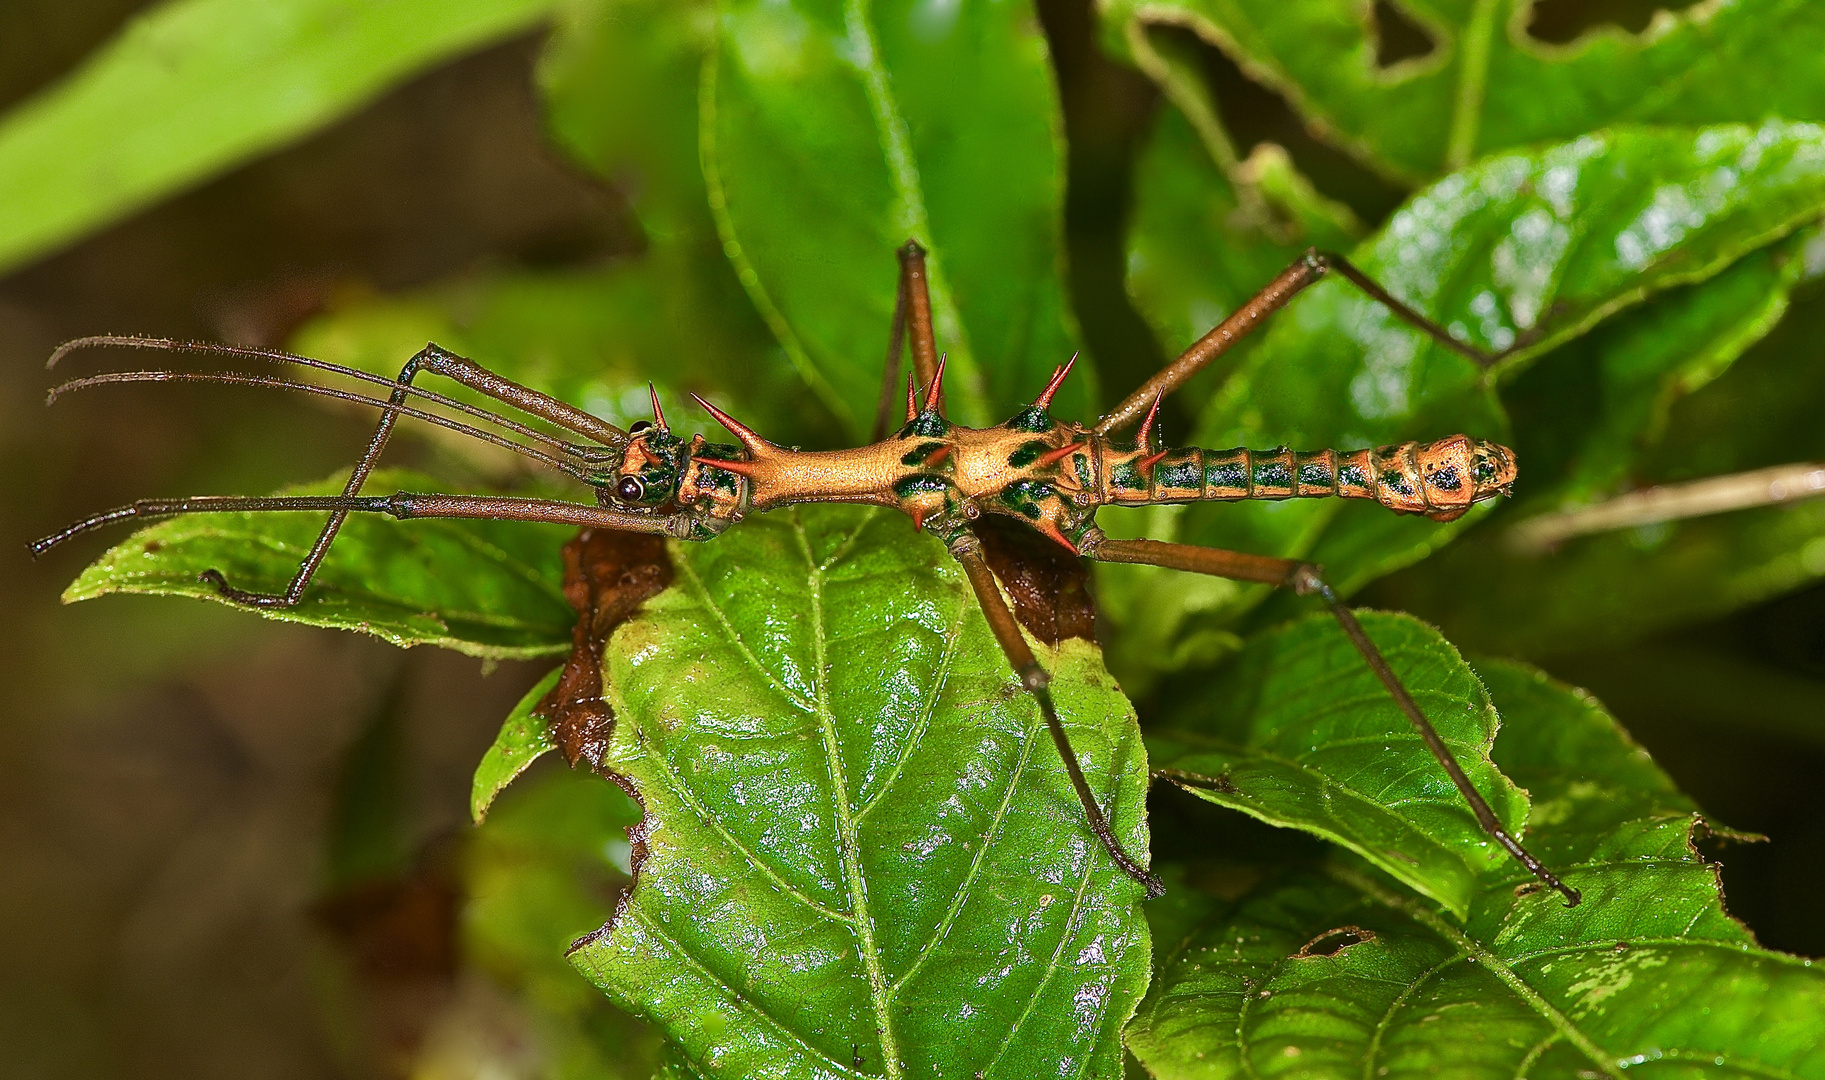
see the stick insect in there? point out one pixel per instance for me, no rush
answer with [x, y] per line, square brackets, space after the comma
[1050, 475]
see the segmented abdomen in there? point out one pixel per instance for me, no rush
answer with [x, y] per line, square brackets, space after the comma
[1389, 475]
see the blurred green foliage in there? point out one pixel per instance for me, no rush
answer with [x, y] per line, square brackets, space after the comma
[1630, 217]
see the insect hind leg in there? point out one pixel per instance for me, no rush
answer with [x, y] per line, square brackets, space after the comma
[1305, 578]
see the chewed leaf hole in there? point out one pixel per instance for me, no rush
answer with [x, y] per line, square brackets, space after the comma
[1332, 942]
[1398, 37]
[1560, 22]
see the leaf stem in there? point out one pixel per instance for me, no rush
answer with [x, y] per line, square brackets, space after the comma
[1472, 81]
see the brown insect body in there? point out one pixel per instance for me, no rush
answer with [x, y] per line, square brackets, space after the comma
[1052, 476]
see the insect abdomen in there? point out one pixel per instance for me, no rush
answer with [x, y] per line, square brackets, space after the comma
[1394, 476]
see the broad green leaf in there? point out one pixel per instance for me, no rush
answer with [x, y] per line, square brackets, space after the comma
[198, 86]
[545, 869]
[833, 133]
[1487, 86]
[1329, 972]
[486, 588]
[523, 739]
[860, 843]
[1298, 732]
[1520, 252]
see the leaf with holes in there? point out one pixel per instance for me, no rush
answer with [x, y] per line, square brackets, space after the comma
[1330, 971]
[1520, 252]
[1486, 85]
[834, 133]
[861, 850]
[486, 588]
[1298, 732]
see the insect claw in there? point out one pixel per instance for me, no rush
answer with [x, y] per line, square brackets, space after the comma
[1145, 437]
[1059, 454]
[658, 413]
[739, 468]
[1058, 378]
[753, 443]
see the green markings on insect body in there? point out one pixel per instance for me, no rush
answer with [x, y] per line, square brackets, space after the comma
[928, 425]
[718, 479]
[1024, 497]
[1273, 475]
[917, 455]
[908, 487]
[1027, 453]
[1033, 418]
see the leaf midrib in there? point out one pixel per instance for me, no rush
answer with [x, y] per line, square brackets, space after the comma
[851, 854]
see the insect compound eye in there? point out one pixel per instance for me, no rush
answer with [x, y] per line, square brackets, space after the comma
[638, 426]
[630, 489]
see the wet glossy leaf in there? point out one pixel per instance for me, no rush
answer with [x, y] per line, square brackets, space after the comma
[1486, 85]
[860, 842]
[1298, 732]
[835, 134]
[195, 87]
[486, 588]
[545, 869]
[522, 740]
[1519, 252]
[1328, 971]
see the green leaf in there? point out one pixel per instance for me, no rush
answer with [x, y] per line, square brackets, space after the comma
[860, 843]
[523, 739]
[1609, 589]
[833, 135]
[485, 588]
[1487, 86]
[1328, 971]
[198, 86]
[546, 868]
[1520, 252]
[1299, 732]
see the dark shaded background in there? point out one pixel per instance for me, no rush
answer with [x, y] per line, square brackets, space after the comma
[167, 769]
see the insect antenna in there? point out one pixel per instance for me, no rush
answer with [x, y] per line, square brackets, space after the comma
[279, 356]
[270, 382]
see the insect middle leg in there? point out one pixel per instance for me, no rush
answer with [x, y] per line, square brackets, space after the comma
[440, 361]
[1305, 578]
[912, 318]
[1037, 681]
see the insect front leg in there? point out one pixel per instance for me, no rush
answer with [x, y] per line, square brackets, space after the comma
[1037, 681]
[1305, 578]
[439, 361]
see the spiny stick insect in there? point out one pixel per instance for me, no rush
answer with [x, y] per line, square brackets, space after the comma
[1052, 475]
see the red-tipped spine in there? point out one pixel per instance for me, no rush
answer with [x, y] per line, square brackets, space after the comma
[739, 468]
[1058, 378]
[753, 443]
[934, 394]
[1045, 526]
[1063, 452]
[658, 413]
[1144, 438]
[1148, 462]
[912, 398]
